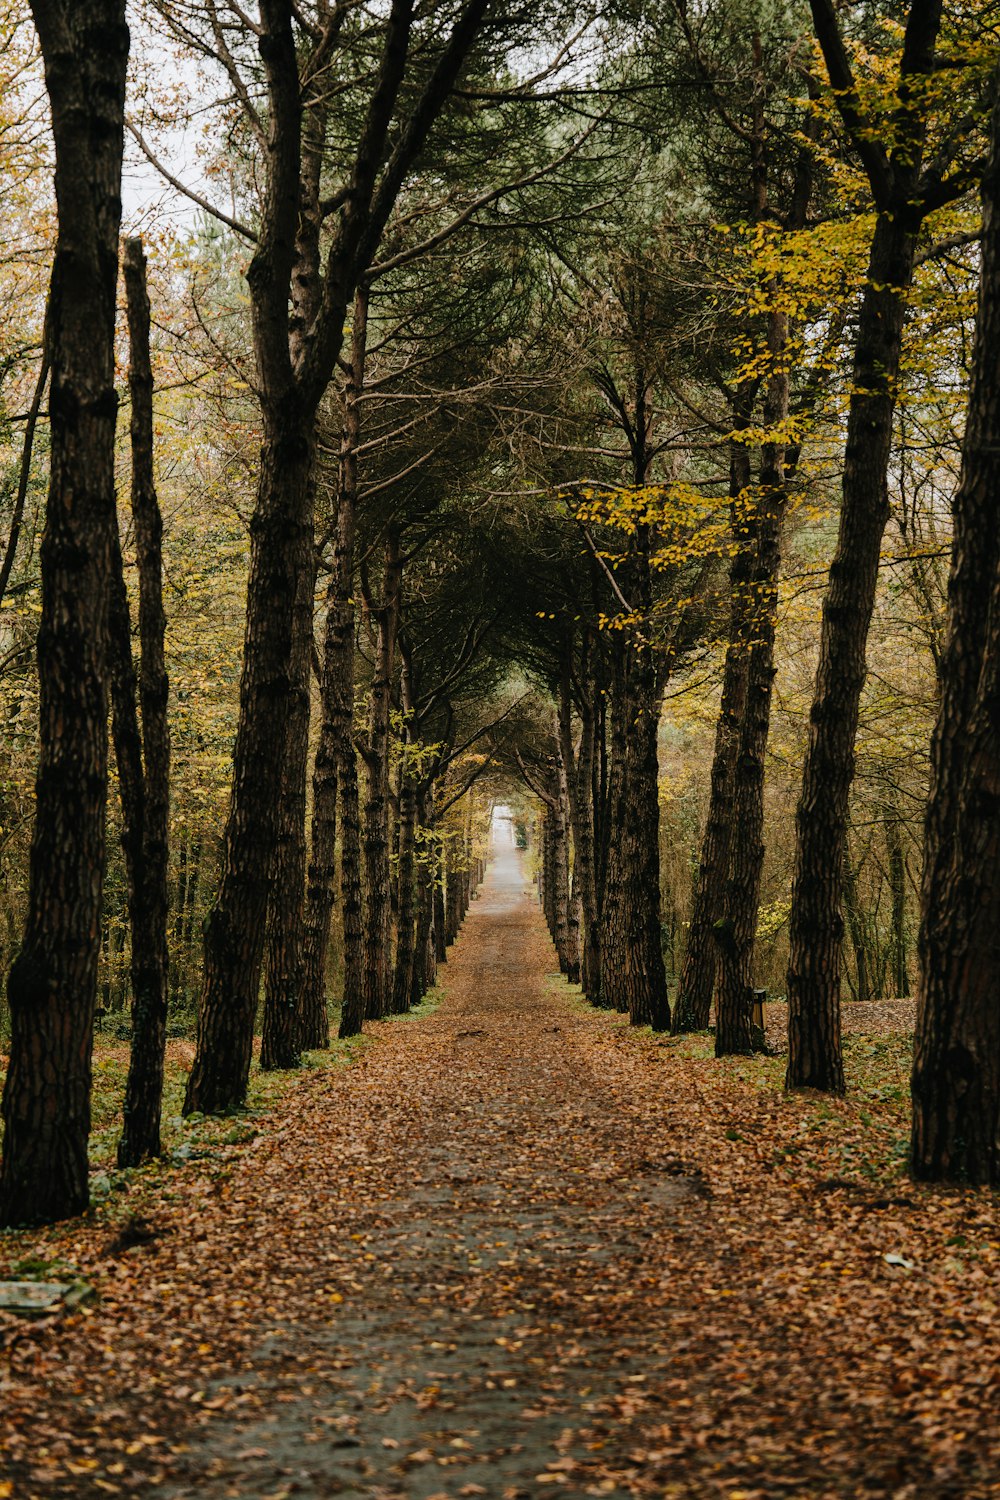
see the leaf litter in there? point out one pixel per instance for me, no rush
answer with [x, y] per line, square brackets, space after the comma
[518, 1248]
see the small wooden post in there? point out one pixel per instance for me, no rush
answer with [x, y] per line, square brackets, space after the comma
[758, 997]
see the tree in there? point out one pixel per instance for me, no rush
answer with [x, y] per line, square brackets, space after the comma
[143, 757]
[956, 1065]
[298, 304]
[52, 985]
[905, 189]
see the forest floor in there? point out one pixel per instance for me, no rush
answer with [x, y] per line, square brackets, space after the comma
[516, 1248]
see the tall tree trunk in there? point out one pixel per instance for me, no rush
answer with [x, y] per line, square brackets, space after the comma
[423, 975]
[236, 926]
[580, 791]
[452, 894]
[956, 1064]
[857, 929]
[693, 1006]
[634, 976]
[178, 978]
[898, 967]
[635, 979]
[149, 872]
[440, 916]
[283, 1034]
[352, 1011]
[407, 886]
[734, 1031]
[613, 890]
[378, 872]
[571, 967]
[816, 923]
[559, 878]
[336, 697]
[52, 987]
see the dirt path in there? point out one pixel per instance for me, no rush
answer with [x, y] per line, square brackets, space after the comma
[518, 1249]
[470, 1361]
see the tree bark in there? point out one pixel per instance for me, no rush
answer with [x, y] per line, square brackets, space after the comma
[423, 972]
[693, 1006]
[296, 356]
[336, 694]
[52, 986]
[235, 929]
[857, 927]
[580, 783]
[378, 873]
[148, 854]
[816, 923]
[634, 977]
[284, 1029]
[734, 1029]
[352, 1010]
[406, 914]
[956, 1065]
[898, 966]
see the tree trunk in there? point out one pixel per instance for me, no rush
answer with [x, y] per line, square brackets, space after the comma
[283, 1035]
[440, 919]
[898, 967]
[236, 926]
[693, 1006]
[816, 924]
[352, 1010]
[378, 873]
[635, 852]
[423, 975]
[336, 697]
[580, 780]
[956, 1066]
[452, 899]
[149, 873]
[571, 961]
[52, 987]
[634, 976]
[734, 1029]
[613, 888]
[407, 887]
[857, 929]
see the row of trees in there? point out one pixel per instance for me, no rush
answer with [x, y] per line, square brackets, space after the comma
[549, 378]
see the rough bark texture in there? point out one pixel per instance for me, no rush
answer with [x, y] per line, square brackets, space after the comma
[580, 790]
[336, 691]
[235, 929]
[295, 358]
[570, 963]
[440, 921]
[613, 894]
[406, 912]
[148, 869]
[899, 978]
[423, 973]
[734, 1031]
[378, 875]
[816, 922]
[956, 1067]
[352, 1010]
[52, 986]
[693, 1006]
[284, 1032]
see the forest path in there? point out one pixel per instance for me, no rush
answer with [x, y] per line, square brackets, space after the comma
[492, 1195]
[518, 1248]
